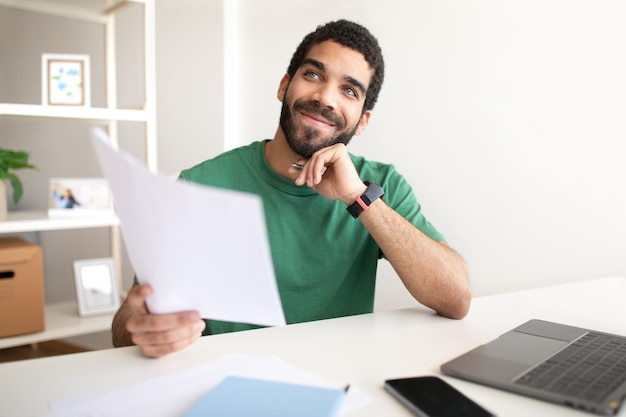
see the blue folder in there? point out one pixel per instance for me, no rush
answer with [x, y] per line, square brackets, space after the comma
[247, 397]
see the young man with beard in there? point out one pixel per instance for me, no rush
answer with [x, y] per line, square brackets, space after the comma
[327, 219]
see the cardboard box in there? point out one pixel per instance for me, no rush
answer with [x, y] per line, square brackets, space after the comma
[21, 287]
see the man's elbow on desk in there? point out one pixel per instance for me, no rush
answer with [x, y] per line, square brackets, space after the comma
[457, 306]
[451, 301]
[457, 311]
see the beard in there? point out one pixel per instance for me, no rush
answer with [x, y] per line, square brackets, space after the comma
[310, 141]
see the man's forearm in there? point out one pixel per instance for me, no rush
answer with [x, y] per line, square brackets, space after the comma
[433, 273]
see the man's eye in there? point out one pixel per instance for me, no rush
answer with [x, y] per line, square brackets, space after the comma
[311, 74]
[351, 91]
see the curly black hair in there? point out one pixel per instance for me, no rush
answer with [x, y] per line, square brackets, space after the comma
[353, 36]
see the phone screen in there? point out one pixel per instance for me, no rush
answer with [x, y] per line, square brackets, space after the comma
[430, 396]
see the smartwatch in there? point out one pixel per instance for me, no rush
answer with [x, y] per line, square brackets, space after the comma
[362, 203]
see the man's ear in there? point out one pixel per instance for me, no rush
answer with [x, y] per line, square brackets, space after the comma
[363, 122]
[282, 87]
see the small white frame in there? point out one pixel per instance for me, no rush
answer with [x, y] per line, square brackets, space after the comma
[96, 286]
[65, 80]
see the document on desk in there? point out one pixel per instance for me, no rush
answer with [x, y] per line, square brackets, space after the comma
[200, 248]
[179, 392]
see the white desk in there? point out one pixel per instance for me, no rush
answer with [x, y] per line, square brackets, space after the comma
[362, 350]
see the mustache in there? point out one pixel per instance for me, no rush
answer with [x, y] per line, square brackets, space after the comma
[314, 107]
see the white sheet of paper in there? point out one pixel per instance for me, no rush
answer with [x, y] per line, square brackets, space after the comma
[200, 248]
[174, 393]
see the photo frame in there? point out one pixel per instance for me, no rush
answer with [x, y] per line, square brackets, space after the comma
[79, 197]
[65, 80]
[96, 286]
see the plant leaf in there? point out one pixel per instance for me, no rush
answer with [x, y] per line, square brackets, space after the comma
[11, 160]
[14, 160]
[16, 184]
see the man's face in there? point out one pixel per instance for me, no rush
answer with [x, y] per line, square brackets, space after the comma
[323, 102]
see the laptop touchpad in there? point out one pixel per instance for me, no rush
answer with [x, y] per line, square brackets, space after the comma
[521, 348]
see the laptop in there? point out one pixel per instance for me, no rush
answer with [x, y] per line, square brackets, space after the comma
[575, 367]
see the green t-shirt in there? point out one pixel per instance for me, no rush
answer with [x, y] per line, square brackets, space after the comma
[324, 260]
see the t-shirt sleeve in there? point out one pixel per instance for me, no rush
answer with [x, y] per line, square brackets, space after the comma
[399, 195]
[403, 200]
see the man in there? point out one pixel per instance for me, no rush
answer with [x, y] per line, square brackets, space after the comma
[327, 218]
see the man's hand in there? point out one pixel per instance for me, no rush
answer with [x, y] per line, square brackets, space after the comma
[155, 334]
[331, 173]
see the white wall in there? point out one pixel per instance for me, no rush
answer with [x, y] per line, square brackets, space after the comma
[509, 119]
[190, 77]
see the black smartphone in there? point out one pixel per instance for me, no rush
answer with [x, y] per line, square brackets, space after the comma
[430, 396]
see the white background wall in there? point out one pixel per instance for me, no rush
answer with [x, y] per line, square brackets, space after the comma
[508, 117]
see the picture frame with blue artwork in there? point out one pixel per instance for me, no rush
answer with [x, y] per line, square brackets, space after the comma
[65, 80]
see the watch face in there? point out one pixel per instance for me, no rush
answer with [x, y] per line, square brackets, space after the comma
[371, 194]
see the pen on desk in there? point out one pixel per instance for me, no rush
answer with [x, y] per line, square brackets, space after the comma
[297, 166]
[346, 388]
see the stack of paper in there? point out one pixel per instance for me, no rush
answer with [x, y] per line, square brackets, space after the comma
[176, 393]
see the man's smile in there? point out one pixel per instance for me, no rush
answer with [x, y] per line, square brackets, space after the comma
[314, 114]
[316, 119]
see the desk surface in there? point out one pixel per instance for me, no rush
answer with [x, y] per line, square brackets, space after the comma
[362, 350]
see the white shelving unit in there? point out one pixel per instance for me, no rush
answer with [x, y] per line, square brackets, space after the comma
[38, 221]
[62, 322]
[78, 113]
[62, 319]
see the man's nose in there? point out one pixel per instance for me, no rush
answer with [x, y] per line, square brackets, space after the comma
[326, 95]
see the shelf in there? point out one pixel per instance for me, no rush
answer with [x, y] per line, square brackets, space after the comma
[67, 112]
[87, 10]
[62, 321]
[35, 221]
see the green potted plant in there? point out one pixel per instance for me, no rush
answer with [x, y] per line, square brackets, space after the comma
[11, 160]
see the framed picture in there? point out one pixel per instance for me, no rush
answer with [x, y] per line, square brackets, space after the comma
[79, 197]
[96, 286]
[65, 80]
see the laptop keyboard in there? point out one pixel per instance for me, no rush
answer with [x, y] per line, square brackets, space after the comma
[590, 368]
